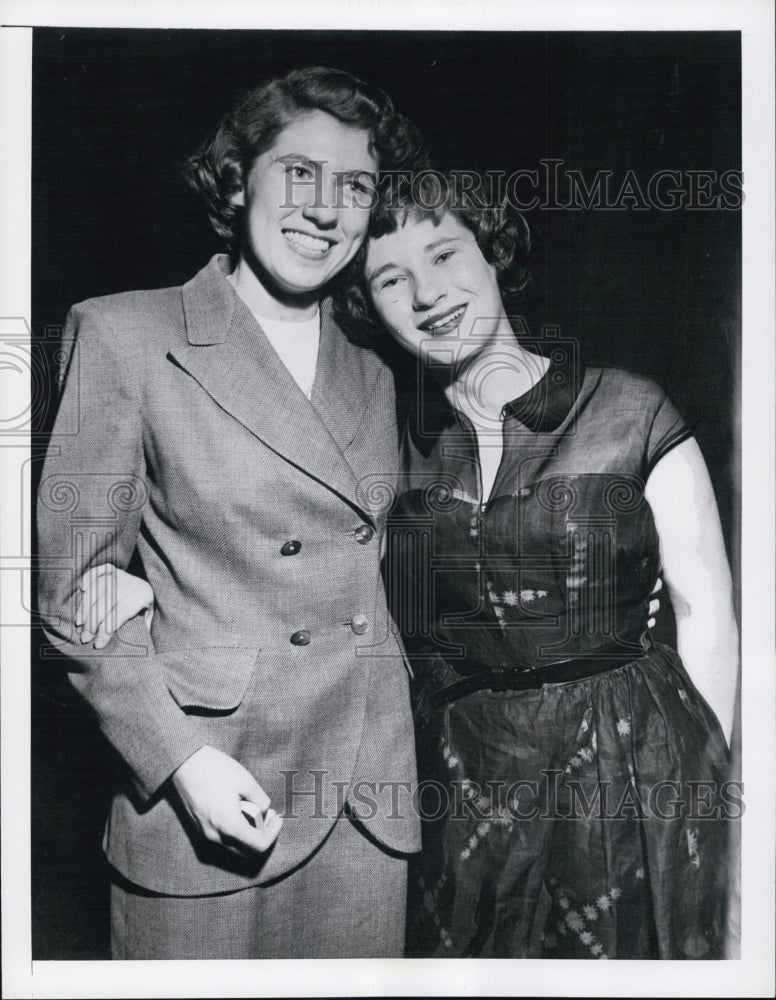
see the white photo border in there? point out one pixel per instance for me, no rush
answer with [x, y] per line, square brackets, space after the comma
[753, 974]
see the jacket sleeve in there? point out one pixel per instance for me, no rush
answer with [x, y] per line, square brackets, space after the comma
[90, 505]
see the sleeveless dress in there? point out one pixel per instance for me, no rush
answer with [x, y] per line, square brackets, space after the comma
[577, 819]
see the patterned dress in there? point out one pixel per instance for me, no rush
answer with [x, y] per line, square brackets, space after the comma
[587, 815]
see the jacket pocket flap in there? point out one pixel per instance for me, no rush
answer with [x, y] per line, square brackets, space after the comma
[213, 677]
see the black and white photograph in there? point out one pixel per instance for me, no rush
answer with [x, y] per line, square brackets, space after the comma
[394, 575]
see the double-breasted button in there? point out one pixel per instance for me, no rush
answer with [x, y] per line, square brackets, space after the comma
[290, 548]
[364, 533]
[359, 624]
[301, 638]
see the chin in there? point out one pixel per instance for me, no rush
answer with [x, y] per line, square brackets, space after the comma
[303, 283]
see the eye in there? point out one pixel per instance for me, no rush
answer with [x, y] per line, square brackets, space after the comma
[357, 187]
[363, 186]
[390, 282]
[299, 171]
[444, 256]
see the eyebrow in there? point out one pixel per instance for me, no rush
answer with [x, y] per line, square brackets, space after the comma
[304, 158]
[293, 157]
[429, 246]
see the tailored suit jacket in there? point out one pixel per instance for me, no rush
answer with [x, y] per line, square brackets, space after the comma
[182, 437]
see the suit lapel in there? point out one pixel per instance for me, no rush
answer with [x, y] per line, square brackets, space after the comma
[345, 379]
[233, 361]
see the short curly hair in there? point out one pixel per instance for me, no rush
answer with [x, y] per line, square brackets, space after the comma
[501, 232]
[217, 169]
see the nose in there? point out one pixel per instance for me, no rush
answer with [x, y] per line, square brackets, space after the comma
[322, 207]
[428, 291]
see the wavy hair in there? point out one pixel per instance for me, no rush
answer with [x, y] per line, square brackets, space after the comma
[217, 169]
[501, 232]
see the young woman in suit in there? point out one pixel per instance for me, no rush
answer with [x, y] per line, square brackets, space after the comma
[223, 429]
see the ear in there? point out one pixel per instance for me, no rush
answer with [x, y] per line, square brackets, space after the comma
[238, 198]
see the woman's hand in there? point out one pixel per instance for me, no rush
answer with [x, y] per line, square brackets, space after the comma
[108, 597]
[226, 803]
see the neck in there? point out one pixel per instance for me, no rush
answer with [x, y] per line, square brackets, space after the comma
[263, 299]
[503, 370]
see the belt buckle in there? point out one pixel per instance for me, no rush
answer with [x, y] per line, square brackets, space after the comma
[499, 678]
[509, 679]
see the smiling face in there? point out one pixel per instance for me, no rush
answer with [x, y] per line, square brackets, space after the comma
[433, 289]
[306, 210]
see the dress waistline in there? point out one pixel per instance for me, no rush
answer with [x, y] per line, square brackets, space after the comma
[531, 678]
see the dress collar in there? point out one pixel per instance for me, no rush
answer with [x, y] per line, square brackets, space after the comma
[543, 407]
[547, 403]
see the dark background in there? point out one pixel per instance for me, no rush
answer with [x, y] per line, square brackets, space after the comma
[115, 113]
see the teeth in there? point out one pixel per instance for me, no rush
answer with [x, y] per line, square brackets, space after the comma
[306, 242]
[450, 318]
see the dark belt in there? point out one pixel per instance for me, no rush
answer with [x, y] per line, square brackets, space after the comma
[522, 679]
